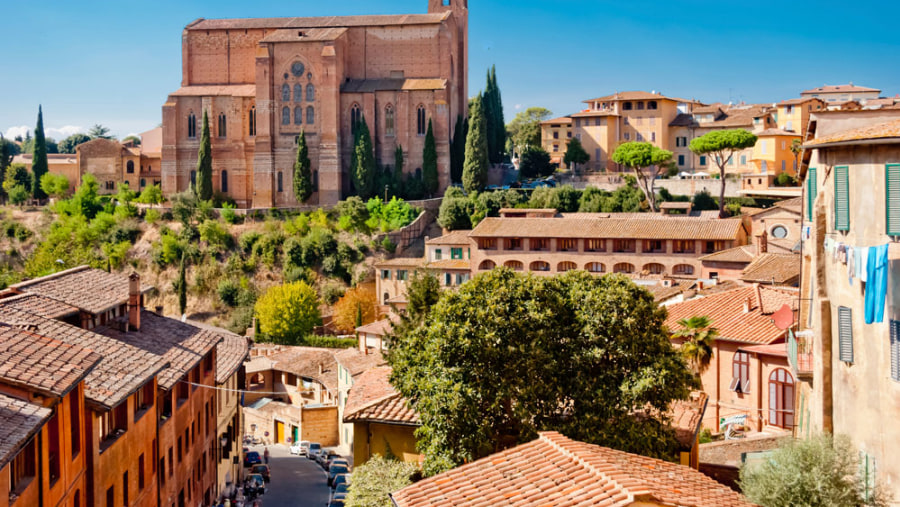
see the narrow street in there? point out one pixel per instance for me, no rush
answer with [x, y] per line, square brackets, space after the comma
[296, 481]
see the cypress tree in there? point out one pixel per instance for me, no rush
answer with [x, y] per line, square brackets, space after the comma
[487, 105]
[39, 162]
[363, 168]
[398, 171]
[181, 287]
[359, 315]
[458, 150]
[429, 163]
[499, 123]
[303, 187]
[475, 167]
[204, 163]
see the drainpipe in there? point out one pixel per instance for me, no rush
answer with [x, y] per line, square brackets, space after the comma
[40, 461]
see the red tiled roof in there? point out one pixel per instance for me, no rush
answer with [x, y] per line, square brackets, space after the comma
[402, 262]
[886, 132]
[230, 354]
[740, 254]
[373, 398]
[38, 305]
[317, 22]
[636, 95]
[794, 102]
[847, 88]
[380, 327]
[89, 289]
[555, 470]
[36, 362]
[775, 349]
[726, 310]
[457, 264]
[777, 268]
[687, 416]
[565, 120]
[777, 132]
[357, 362]
[216, 91]
[19, 421]
[570, 226]
[313, 363]
[458, 237]
[795, 204]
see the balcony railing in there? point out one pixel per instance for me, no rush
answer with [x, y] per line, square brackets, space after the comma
[800, 353]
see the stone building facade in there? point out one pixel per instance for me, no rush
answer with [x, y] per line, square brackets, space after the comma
[262, 82]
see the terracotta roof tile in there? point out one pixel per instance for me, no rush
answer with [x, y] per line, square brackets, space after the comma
[123, 369]
[554, 470]
[182, 345]
[888, 131]
[373, 398]
[357, 362]
[564, 120]
[380, 327]
[318, 22]
[300, 361]
[687, 416]
[741, 254]
[682, 120]
[89, 289]
[775, 349]
[459, 237]
[726, 310]
[400, 262]
[33, 361]
[38, 305]
[458, 264]
[230, 355]
[794, 102]
[216, 91]
[839, 88]
[309, 35]
[777, 268]
[387, 84]
[19, 421]
[795, 204]
[777, 132]
[573, 226]
[635, 95]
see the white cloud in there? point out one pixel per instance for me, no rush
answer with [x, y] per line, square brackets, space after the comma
[518, 106]
[12, 132]
[63, 132]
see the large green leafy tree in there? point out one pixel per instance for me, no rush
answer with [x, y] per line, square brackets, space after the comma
[475, 168]
[39, 162]
[98, 131]
[429, 162]
[575, 154]
[458, 149]
[508, 355]
[646, 160]
[525, 128]
[287, 313]
[375, 479]
[68, 144]
[722, 145]
[363, 169]
[204, 163]
[817, 471]
[303, 187]
[535, 162]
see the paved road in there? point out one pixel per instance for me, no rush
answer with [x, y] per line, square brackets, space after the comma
[296, 481]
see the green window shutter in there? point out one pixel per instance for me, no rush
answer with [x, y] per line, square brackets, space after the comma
[841, 199]
[895, 350]
[845, 333]
[892, 198]
[810, 191]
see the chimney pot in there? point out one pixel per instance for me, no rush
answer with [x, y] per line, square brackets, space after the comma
[134, 301]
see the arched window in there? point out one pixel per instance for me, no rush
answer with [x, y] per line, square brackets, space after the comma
[389, 120]
[143, 183]
[355, 116]
[781, 399]
[285, 92]
[654, 268]
[486, 265]
[310, 93]
[562, 267]
[223, 126]
[298, 93]
[194, 178]
[514, 265]
[224, 179]
[623, 267]
[310, 115]
[129, 167]
[683, 269]
[539, 266]
[595, 267]
[252, 120]
[285, 115]
[280, 181]
[192, 125]
[420, 120]
[740, 372]
[298, 115]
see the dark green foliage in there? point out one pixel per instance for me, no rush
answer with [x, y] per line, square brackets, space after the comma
[17, 175]
[398, 172]
[387, 245]
[785, 180]
[493, 113]
[39, 162]
[722, 145]
[185, 208]
[475, 167]
[328, 342]
[228, 292]
[362, 168]
[247, 240]
[352, 214]
[8, 150]
[534, 163]
[180, 286]
[458, 149]
[303, 187]
[99, 132]
[454, 214]
[429, 163]
[68, 144]
[704, 201]
[204, 188]
[575, 154]
[525, 129]
[647, 161]
[577, 354]
[375, 479]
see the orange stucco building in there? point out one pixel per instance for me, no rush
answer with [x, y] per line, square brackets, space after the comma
[264, 81]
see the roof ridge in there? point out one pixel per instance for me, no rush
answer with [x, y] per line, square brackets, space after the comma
[51, 276]
[372, 403]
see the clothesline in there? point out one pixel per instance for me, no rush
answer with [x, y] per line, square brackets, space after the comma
[869, 264]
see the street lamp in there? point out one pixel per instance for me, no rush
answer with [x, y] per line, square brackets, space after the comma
[385, 193]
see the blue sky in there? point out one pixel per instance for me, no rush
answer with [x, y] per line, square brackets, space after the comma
[114, 63]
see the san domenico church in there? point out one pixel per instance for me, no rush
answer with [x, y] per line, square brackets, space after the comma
[261, 81]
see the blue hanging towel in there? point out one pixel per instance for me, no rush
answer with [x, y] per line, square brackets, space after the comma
[876, 284]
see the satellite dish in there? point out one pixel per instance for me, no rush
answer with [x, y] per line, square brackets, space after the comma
[784, 317]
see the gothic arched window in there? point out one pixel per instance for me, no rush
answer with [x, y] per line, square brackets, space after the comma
[298, 93]
[285, 115]
[224, 179]
[310, 93]
[310, 115]
[389, 120]
[355, 116]
[252, 120]
[285, 92]
[192, 125]
[298, 115]
[420, 120]
[223, 125]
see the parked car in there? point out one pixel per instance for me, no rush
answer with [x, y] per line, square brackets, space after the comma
[300, 448]
[336, 469]
[255, 485]
[340, 479]
[336, 503]
[326, 455]
[318, 456]
[340, 491]
[262, 470]
[335, 460]
[313, 449]
[252, 458]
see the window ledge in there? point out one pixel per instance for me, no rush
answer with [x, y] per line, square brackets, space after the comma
[110, 439]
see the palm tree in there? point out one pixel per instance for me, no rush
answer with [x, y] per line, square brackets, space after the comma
[699, 337]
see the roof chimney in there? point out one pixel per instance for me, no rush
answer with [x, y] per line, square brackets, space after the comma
[134, 301]
[747, 305]
[762, 243]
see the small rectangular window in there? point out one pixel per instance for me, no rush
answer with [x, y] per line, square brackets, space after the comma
[811, 191]
[895, 350]
[845, 333]
[892, 198]
[437, 254]
[841, 198]
[702, 160]
[385, 274]
[456, 253]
